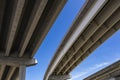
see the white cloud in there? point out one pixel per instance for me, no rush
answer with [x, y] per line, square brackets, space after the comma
[93, 68]
[78, 75]
[117, 59]
[99, 65]
[89, 70]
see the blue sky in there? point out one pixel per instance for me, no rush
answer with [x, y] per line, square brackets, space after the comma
[101, 57]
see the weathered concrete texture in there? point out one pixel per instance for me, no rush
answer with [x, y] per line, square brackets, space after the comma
[95, 23]
[23, 26]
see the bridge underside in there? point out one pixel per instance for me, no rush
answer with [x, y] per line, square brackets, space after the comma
[23, 26]
[95, 23]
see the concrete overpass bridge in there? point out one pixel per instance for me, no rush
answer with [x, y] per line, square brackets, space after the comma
[23, 26]
[95, 23]
[111, 72]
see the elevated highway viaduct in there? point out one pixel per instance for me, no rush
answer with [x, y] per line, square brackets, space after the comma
[95, 23]
[23, 26]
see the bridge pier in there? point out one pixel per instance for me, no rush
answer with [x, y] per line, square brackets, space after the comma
[22, 63]
[22, 72]
[59, 77]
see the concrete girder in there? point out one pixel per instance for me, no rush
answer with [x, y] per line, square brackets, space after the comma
[94, 25]
[96, 7]
[10, 73]
[36, 14]
[50, 18]
[2, 68]
[100, 32]
[17, 11]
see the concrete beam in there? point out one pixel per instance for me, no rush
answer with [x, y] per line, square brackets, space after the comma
[36, 14]
[93, 27]
[10, 73]
[59, 77]
[2, 68]
[17, 61]
[91, 30]
[16, 75]
[96, 7]
[100, 32]
[16, 14]
[54, 11]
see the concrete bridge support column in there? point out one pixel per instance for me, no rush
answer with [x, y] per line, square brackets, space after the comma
[59, 77]
[22, 63]
[22, 72]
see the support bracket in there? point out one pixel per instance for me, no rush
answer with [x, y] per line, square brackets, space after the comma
[15, 61]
